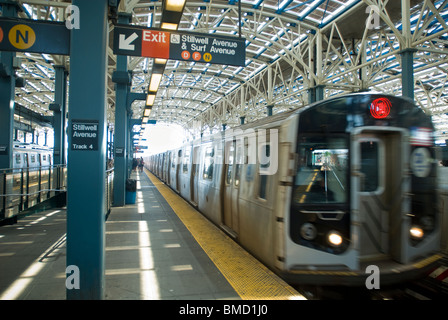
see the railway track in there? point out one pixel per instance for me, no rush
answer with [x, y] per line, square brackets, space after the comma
[432, 287]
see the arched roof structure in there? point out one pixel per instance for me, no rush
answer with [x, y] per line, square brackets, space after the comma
[292, 46]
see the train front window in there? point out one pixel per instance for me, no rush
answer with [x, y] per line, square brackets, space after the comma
[369, 166]
[322, 169]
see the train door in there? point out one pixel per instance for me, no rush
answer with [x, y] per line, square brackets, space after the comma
[230, 189]
[168, 167]
[194, 175]
[380, 183]
[178, 165]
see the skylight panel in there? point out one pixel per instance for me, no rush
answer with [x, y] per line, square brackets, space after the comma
[308, 9]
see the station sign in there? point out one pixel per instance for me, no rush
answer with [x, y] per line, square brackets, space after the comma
[84, 135]
[178, 45]
[27, 35]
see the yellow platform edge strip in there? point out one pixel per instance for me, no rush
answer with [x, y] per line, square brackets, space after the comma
[248, 277]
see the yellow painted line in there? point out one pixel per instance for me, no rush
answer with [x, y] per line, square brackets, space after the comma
[325, 273]
[250, 279]
[427, 261]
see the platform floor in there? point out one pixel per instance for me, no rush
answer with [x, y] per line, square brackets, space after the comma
[153, 251]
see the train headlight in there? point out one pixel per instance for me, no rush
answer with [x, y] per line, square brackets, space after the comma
[334, 238]
[416, 232]
[308, 231]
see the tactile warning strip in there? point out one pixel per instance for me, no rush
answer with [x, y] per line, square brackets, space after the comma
[250, 279]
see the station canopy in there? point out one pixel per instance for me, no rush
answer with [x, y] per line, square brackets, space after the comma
[291, 47]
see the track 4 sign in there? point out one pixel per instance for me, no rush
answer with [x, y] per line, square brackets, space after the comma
[177, 45]
[84, 135]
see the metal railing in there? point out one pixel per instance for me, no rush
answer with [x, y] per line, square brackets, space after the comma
[109, 190]
[23, 188]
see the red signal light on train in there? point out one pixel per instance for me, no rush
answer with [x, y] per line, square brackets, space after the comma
[380, 108]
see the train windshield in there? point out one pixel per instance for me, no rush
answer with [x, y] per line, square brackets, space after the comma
[322, 171]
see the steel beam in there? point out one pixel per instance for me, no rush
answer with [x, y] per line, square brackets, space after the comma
[59, 115]
[7, 94]
[121, 131]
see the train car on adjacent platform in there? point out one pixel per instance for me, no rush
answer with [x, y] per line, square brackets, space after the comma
[321, 193]
[28, 182]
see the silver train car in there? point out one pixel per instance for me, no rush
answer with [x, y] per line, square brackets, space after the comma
[32, 180]
[321, 193]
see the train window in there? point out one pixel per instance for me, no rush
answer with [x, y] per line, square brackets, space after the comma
[33, 158]
[186, 160]
[266, 151]
[18, 158]
[238, 163]
[237, 174]
[369, 166]
[209, 163]
[322, 171]
[173, 160]
[230, 163]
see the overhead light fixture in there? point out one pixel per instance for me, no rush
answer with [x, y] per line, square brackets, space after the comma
[169, 26]
[175, 5]
[150, 99]
[145, 120]
[147, 112]
[160, 61]
[155, 81]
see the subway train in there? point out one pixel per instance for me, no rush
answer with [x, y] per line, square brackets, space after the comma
[444, 154]
[323, 193]
[31, 180]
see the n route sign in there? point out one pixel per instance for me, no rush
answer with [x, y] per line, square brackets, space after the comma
[34, 36]
[178, 45]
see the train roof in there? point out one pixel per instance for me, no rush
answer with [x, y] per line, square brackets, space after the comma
[332, 113]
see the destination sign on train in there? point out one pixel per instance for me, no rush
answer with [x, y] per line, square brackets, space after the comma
[177, 45]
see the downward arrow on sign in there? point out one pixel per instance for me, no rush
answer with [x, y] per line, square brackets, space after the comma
[125, 43]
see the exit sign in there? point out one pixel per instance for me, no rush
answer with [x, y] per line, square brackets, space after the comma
[179, 45]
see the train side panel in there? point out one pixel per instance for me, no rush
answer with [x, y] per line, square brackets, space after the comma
[209, 180]
[185, 173]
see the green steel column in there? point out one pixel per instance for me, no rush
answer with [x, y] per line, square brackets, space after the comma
[407, 73]
[86, 168]
[320, 92]
[122, 79]
[7, 94]
[407, 53]
[59, 111]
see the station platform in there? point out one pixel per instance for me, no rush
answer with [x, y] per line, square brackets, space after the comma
[159, 248]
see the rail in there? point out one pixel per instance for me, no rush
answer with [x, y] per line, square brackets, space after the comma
[109, 190]
[23, 188]
[443, 202]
